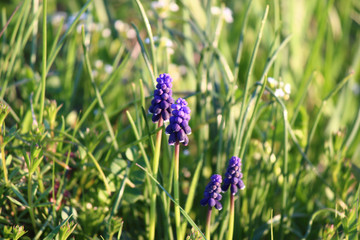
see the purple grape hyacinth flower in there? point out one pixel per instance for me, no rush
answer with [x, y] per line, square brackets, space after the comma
[233, 176]
[179, 123]
[161, 104]
[212, 193]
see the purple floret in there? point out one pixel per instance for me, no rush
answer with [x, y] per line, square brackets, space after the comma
[162, 101]
[212, 193]
[179, 128]
[233, 176]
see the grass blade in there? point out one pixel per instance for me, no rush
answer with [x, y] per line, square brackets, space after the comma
[188, 218]
[150, 35]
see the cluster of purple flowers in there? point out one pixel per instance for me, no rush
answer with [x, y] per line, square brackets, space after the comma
[179, 123]
[233, 176]
[212, 193]
[161, 104]
[179, 128]
[232, 179]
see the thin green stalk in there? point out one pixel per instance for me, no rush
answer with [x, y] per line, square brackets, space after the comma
[208, 224]
[252, 119]
[271, 225]
[10, 59]
[137, 136]
[241, 124]
[323, 103]
[285, 173]
[97, 92]
[241, 42]
[53, 54]
[44, 72]
[231, 219]
[187, 217]
[192, 190]
[120, 194]
[30, 201]
[3, 157]
[149, 32]
[34, 34]
[145, 55]
[3, 113]
[176, 190]
[103, 90]
[153, 188]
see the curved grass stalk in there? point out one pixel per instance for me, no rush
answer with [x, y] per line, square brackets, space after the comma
[188, 218]
[149, 32]
[247, 84]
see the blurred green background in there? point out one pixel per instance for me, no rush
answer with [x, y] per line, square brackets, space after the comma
[197, 43]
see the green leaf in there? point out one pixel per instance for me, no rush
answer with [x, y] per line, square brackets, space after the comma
[56, 230]
[133, 195]
[16, 201]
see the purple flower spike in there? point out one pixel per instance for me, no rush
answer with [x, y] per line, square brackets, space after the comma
[179, 128]
[233, 176]
[161, 104]
[212, 192]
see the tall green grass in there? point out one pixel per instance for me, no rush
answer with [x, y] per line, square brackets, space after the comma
[78, 150]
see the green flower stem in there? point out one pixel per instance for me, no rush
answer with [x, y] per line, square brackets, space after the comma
[208, 224]
[3, 113]
[176, 190]
[30, 201]
[231, 220]
[44, 72]
[3, 158]
[153, 187]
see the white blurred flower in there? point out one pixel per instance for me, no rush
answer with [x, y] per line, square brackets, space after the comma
[106, 33]
[162, 7]
[87, 40]
[287, 88]
[215, 10]
[282, 90]
[57, 17]
[173, 7]
[99, 64]
[79, 27]
[108, 68]
[71, 118]
[162, 42]
[226, 13]
[94, 73]
[131, 33]
[279, 93]
[119, 25]
[356, 88]
[273, 83]
[125, 29]
[158, 4]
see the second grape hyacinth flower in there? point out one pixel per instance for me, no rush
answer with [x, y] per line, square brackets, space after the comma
[233, 176]
[212, 193]
[179, 123]
[161, 104]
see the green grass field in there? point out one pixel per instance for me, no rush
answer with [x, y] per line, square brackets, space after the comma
[275, 83]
